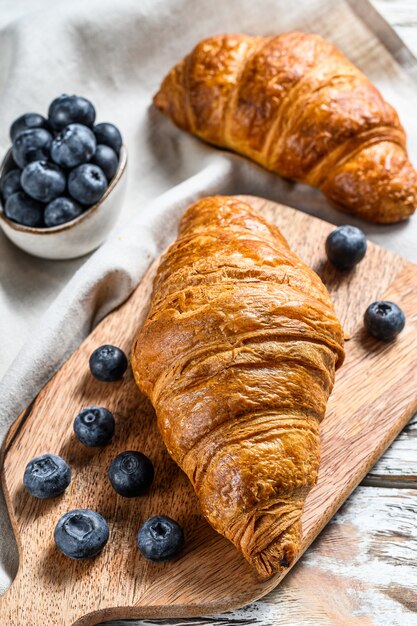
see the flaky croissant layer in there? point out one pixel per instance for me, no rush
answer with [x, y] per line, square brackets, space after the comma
[238, 355]
[294, 104]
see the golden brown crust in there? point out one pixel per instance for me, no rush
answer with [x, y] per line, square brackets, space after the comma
[238, 355]
[294, 104]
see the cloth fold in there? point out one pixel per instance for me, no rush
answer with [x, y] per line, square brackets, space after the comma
[116, 54]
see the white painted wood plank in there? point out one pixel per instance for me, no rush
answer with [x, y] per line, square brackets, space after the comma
[398, 466]
[402, 15]
[361, 571]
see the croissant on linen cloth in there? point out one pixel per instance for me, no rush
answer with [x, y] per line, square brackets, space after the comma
[294, 104]
[238, 356]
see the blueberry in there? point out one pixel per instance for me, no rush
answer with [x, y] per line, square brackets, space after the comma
[23, 209]
[26, 122]
[131, 474]
[74, 145]
[10, 183]
[31, 145]
[94, 426]
[69, 110]
[108, 135]
[160, 538]
[60, 211]
[345, 247]
[107, 159]
[87, 183]
[46, 476]
[81, 534]
[43, 180]
[384, 320]
[108, 363]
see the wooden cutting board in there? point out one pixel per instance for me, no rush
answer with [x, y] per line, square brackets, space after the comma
[373, 398]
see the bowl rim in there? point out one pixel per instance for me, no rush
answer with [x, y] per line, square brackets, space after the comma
[67, 225]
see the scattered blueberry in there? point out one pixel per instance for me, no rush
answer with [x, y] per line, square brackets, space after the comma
[131, 474]
[107, 159]
[10, 183]
[87, 183]
[74, 145]
[81, 534]
[71, 110]
[108, 135]
[384, 320]
[108, 363]
[23, 209]
[26, 122]
[60, 211]
[31, 145]
[94, 426]
[43, 180]
[46, 476]
[345, 247]
[160, 538]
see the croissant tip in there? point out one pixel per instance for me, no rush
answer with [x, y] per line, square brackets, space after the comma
[158, 100]
[275, 559]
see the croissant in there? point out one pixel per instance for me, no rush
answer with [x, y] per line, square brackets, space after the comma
[294, 104]
[238, 355]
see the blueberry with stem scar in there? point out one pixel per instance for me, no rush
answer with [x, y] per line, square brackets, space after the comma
[131, 474]
[94, 426]
[81, 534]
[384, 320]
[160, 538]
[46, 476]
[108, 363]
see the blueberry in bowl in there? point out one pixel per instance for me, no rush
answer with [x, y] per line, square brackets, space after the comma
[81, 534]
[384, 320]
[46, 476]
[27, 121]
[43, 181]
[70, 186]
[74, 145]
[87, 183]
[60, 211]
[131, 474]
[71, 109]
[160, 538]
[10, 184]
[108, 135]
[24, 210]
[107, 160]
[94, 426]
[31, 145]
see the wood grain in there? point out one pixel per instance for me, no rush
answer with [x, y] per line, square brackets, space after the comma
[373, 398]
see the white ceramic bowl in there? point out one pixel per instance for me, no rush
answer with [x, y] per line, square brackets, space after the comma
[72, 239]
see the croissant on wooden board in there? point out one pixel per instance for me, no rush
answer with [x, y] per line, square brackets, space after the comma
[238, 356]
[294, 104]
